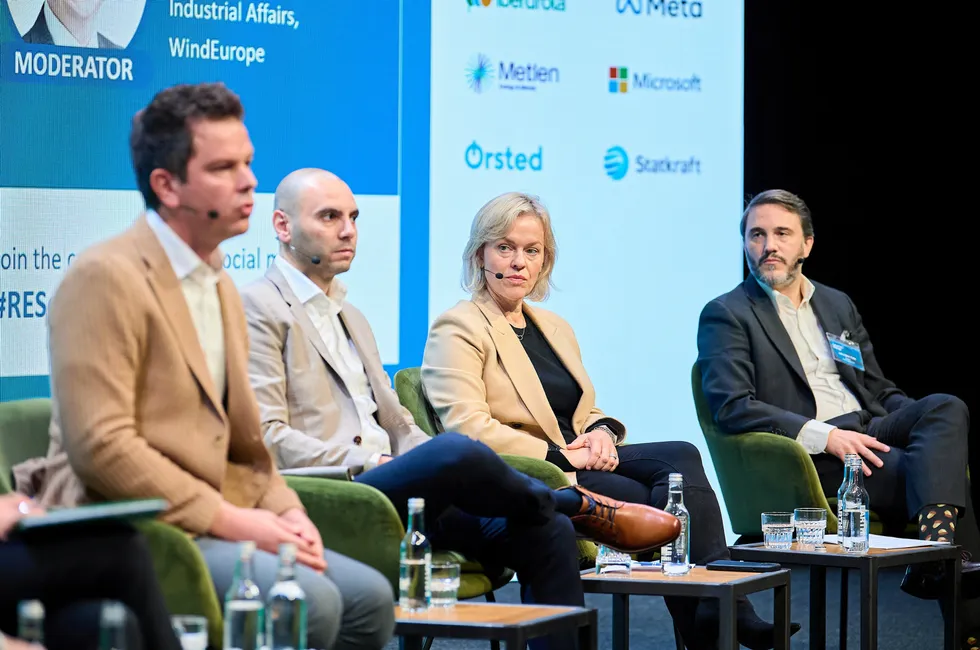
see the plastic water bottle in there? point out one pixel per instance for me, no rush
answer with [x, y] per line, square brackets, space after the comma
[855, 524]
[112, 627]
[415, 569]
[30, 621]
[848, 458]
[675, 558]
[285, 608]
[244, 610]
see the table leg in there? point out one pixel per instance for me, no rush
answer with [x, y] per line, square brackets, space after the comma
[951, 603]
[516, 640]
[844, 588]
[727, 638]
[869, 606]
[588, 635]
[818, 608]
[410, 643]
[780, 606]
[621, 622]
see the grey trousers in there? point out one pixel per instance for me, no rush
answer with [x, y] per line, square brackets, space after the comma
[349, 607]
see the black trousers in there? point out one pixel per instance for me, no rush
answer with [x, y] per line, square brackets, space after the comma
[478, 505]
[641, 477]
[72, 573]
[927, 463]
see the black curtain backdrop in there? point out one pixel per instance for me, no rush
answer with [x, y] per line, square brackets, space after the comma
[866, 112]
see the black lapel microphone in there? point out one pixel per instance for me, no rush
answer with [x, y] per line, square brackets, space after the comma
[499, 276]
[314, 259]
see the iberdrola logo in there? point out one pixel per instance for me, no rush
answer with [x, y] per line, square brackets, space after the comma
[478, 3]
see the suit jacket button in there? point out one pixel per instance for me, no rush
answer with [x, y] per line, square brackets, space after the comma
[357, 440]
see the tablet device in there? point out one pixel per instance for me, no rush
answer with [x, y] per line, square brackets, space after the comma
[95, 513]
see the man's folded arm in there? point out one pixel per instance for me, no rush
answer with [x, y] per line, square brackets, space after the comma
[96, 349]
[728, 381]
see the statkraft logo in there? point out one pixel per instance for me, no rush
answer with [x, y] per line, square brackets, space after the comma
[620, 82]
[662, 8]
[542, 5]
[482, 73]
[617, 163]
[503, 159]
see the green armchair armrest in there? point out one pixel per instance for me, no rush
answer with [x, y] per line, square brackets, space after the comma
[355, 520]
[183, 575]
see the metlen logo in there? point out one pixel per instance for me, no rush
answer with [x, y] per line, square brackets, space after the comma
[617, 163]
[481, 72]
[663, 8]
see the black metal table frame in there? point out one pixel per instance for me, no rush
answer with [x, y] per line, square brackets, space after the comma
[726, 593]
[412, 632]
[868, 565]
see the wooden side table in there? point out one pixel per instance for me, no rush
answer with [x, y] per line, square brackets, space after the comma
[726, 586]
[512, 624]
[868, 564]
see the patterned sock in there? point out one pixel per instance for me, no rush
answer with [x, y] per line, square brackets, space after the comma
[937, 522]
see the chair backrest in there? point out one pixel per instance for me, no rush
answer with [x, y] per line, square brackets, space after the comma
[23, 435]
[408, 386]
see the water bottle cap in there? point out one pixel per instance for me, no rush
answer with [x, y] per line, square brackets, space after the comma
[675, 478]
[416, 503]
[113, 614]
[31, 608]
[247, 548]
[287, 551]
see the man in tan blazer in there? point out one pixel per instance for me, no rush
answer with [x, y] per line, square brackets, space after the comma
[149, 372]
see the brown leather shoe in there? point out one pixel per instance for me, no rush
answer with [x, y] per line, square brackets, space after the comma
[626, 527]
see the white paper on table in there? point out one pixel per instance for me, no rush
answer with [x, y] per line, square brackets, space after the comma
[886, 542]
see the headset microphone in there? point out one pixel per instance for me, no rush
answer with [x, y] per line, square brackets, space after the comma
[213, 214]
[799, 262]
[499, 276]
[314, 259]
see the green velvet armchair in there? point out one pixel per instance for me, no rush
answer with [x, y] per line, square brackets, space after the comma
[411, 394]
[354, 519]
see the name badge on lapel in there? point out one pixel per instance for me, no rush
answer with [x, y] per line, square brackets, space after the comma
[845, 350]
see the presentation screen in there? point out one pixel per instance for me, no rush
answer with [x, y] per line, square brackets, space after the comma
[623, 116]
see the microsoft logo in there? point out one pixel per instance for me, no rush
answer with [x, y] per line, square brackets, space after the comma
[617, 79]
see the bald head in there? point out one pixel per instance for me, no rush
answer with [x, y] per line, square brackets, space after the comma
[289, 193]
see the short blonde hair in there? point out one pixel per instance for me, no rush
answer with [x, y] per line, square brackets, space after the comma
[493, 221]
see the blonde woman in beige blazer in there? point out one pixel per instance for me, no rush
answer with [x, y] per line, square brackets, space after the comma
[511, 375]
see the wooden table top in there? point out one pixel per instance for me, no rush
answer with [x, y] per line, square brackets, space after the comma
[697, 575]
[495, 614]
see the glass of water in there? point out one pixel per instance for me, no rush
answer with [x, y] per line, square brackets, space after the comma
[811, 525]
[610, 560]
[444, 584]
[777, 530]
[192, 631]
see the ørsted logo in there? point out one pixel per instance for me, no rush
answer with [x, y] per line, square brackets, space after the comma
[509, 75]
[543, 5]
[617, 163]
[502, 159]
[619, 82]
[664, 8]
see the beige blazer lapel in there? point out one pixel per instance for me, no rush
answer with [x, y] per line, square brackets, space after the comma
[166, 287]
[360, 343]
[570, 357]
[520, 370]
[296, 308]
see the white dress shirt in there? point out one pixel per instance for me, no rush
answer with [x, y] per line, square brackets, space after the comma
[60, 34]
[324, 311]
[199, 283]
[832, 396]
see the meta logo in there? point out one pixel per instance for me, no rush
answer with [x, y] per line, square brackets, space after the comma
[665, 8]
[481, 73]
[619, 82]
[617, 163]
[506, 159]
[543, 5]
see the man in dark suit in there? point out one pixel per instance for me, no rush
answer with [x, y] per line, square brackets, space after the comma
[783, 354]
[69, 23]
